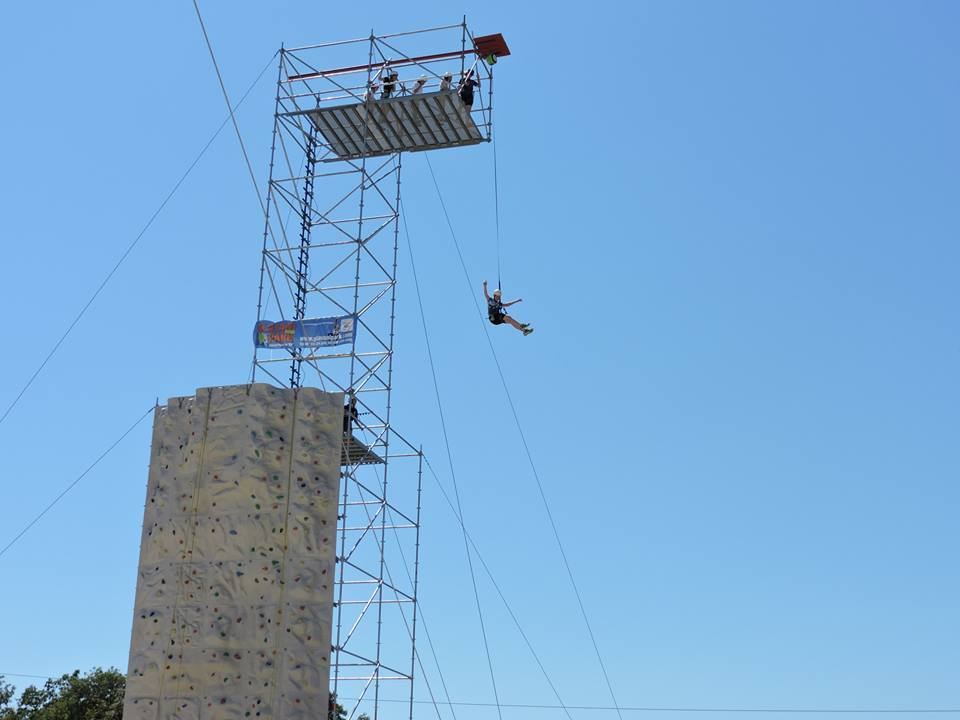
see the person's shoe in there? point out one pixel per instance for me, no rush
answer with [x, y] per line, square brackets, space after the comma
[527, 330]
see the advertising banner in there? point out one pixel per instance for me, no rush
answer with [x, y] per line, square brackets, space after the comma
[304, 334]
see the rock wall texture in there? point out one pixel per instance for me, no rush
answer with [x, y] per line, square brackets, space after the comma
[235, 585]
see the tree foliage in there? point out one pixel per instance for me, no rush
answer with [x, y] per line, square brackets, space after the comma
[97, 695]
[339, 712]
[6, 695]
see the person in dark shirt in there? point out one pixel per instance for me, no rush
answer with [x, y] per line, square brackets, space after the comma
[465, 91]
[350, 414]
[497, 316]
[389, 85]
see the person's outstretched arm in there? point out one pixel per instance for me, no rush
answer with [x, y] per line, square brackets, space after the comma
[512, 302]
[485, 293]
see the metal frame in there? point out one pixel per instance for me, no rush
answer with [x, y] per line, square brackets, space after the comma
[330, 244]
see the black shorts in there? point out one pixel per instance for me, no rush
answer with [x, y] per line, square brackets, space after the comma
[496, 318]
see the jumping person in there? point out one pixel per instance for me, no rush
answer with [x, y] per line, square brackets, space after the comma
[497, 316]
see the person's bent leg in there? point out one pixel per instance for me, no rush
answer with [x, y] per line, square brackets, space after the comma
[512, 322]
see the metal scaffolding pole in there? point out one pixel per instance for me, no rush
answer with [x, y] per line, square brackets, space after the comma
[335, 166]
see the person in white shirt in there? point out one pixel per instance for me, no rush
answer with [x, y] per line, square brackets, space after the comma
[418, 85]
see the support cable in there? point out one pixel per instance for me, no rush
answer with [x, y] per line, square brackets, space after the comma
[420, 614]
[503, 598]
[526, 447]
[446, 497]
[403, 614]
[422, 618]
[453, 475]
[70, 487]
[647, 709]
[130, 247]
[226, 99]
[433, 650]
[768, 711]
[496, 205]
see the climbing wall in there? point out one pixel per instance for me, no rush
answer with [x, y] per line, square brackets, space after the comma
[235, 585]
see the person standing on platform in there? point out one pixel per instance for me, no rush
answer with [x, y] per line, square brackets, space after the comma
[350, 414]
[418, 85]
[465, 91]
[389, 85]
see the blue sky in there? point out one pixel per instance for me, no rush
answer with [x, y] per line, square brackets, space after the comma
[735, 227]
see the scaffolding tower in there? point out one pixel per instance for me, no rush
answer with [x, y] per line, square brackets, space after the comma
[345, 113]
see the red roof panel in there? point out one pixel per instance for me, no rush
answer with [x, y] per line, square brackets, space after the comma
[491, 45]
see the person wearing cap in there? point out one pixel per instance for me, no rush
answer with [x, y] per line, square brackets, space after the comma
[445, 81]
[389, 85]
[418, 85]
[371, 92]
[497, 316]
[465, 91]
